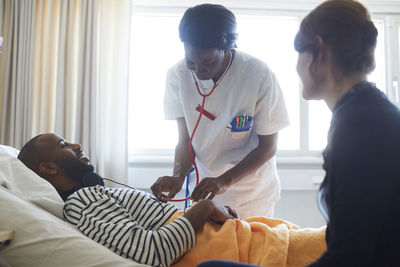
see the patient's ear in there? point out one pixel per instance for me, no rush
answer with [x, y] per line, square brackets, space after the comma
[48, 168]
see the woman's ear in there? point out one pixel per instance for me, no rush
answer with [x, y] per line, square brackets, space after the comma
[48, 168]
[324, 63]
[322, 49]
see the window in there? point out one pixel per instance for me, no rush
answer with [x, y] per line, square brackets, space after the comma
[274, 45]
[150, 62]
[156, 47]
[396, 80]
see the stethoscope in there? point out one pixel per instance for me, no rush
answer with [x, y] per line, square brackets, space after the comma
[197, 124]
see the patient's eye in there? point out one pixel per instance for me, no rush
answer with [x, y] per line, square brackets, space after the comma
[63, 144]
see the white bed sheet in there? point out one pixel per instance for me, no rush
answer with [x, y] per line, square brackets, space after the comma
[44, 240]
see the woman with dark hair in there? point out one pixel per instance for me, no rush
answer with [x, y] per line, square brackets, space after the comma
[241, 108]
[360, 195]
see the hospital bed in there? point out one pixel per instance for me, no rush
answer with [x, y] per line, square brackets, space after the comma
[32, 209]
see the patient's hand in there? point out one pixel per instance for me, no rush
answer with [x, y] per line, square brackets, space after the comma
[221, 213]
[207, 209]
[232, 212]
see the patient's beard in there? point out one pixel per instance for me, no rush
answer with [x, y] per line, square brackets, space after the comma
[74, 169]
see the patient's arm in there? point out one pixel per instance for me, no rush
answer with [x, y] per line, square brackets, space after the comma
[131, 224]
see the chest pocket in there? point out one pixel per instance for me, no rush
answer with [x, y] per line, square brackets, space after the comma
[237, 132]
[232, 139]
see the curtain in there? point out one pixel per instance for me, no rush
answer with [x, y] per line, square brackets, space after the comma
[112, 148]
[64, 69]
[17, 28]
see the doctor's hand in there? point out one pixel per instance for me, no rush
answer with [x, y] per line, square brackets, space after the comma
[169, 184]
[209, 187]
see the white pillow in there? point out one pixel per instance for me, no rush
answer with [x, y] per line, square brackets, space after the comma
[43, 240]
[9, 150]
[26, 184]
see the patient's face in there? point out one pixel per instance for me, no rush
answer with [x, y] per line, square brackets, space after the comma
[60, 149]
[68, 156]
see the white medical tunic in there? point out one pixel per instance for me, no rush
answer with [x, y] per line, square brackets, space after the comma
[249, 88]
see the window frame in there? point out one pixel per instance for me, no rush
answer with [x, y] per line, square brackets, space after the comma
[392, 47]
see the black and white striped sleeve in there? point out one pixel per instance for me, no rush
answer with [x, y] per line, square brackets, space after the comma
[104, 220]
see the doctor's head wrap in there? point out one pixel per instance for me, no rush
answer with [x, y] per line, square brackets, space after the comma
[209, 26]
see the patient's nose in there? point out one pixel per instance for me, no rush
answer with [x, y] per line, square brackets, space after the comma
[77, 147]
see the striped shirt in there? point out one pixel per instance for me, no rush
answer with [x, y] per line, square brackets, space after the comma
[132, 223]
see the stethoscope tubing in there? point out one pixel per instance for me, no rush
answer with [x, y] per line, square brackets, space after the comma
[197, 124]
[192, 135]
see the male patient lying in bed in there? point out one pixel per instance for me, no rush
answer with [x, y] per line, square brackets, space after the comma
[134, 224]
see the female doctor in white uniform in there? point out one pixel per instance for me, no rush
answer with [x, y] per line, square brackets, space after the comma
[236, 139]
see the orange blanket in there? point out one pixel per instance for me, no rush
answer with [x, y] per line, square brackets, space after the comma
[259, 241]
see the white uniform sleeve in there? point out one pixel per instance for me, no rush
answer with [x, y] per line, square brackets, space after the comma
[172, 104]
[105, 221]
[270, 112]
